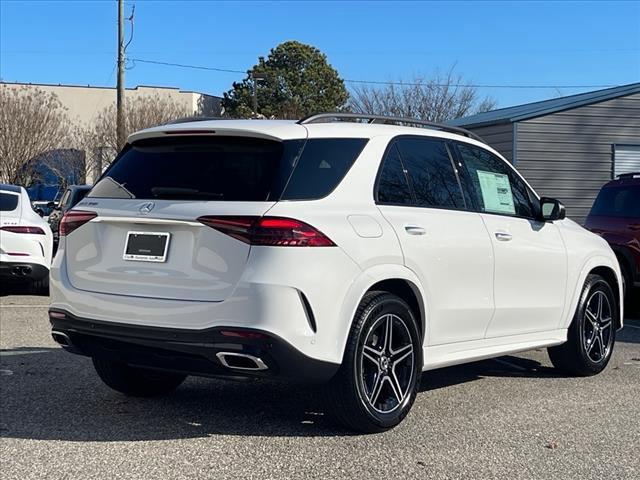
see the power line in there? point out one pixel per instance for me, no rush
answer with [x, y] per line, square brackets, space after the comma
[377, 82]
[182, 65]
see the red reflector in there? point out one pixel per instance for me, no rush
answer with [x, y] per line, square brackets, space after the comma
[57, 315]
[74, 219]
[22, 229]
[269, 231]
[17, 254]
[242, 334]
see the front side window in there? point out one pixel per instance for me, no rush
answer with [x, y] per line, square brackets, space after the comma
[393, 185]
[431, 173]
[493, 185]
[8, 202]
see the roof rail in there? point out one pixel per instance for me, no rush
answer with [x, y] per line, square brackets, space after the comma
[629, 175]
[385, 119]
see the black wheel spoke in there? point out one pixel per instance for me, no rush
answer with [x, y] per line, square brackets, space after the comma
[387, 363]
[597, 326]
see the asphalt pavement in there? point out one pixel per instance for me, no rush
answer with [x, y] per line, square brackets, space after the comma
[512, 418]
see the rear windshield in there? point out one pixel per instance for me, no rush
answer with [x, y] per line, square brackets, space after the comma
[8, 202]
[621, 201]
[228, 169]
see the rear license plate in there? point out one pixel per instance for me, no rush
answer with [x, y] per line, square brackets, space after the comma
[146, 246]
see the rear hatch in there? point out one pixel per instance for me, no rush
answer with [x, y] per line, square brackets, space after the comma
[146, 240]
[10, 214]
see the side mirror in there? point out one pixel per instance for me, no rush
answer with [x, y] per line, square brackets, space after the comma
[552, 209]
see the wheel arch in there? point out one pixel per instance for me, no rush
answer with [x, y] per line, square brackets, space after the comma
[607, 267]
[610, 276]
[396, 279]
[408, 292]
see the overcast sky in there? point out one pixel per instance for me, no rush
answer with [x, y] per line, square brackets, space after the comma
[571, 44]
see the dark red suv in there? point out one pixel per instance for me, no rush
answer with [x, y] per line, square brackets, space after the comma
[615, 216]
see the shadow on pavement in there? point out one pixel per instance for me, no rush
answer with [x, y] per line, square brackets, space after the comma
[49, 394]
[7, 289]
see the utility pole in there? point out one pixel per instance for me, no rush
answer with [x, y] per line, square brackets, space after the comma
[255, 76]
[120, 107]
[255, 95]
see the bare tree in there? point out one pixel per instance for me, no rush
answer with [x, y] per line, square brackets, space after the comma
[436, 99]
[141, 112]
[99, 140]
[32, 123]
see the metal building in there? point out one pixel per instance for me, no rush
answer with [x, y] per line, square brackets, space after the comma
[568, 147]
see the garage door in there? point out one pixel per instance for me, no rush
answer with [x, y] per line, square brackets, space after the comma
[626, 159]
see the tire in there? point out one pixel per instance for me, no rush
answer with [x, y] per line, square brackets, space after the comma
[136, 382]
[40, 287]
[592, 332]
[377, 383]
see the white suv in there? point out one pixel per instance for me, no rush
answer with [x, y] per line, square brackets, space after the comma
[356, 253]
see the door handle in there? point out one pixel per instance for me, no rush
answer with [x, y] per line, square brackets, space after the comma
[503, 236]
[635, 226]
[414, 230]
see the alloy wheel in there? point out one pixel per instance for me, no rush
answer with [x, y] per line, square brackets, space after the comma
[387, 363]
[598, 323]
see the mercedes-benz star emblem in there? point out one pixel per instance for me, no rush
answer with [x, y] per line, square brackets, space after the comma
[146, 207]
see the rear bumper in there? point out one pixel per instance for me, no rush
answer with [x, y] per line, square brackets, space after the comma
[194, 352]
[22, 271]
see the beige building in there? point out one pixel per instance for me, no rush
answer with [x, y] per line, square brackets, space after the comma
[84, 103]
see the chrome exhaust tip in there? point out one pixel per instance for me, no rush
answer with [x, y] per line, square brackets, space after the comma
[241, 361]
[61, 338]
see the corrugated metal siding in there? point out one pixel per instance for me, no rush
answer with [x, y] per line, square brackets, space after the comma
[568, 155]
[499, 137]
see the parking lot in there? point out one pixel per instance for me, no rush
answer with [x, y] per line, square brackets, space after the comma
[513, 417]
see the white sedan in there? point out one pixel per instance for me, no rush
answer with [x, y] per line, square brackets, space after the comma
[26, 241]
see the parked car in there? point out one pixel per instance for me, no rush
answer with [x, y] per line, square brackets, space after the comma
[71, 196]
[352, 254]
[615, 216]
[26, 241]
[43, 208]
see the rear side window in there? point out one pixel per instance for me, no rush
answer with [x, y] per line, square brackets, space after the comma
[496, 188]
[64, 201]
[228, 169]
[431, 173]
[8, 202]
[322, 165]
[78, 195]
[621, 201]
[393, 185]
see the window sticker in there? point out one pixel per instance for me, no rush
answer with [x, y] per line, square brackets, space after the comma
[496, 192]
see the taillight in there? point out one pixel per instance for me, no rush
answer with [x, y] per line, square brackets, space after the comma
[74, 219]
[31, 230]
[269, 231]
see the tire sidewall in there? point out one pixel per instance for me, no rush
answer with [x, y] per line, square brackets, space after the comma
[388, 304]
